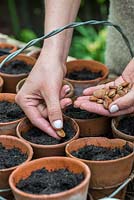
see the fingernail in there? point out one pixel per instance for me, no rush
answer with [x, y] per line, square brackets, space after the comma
[67, 90]
[58, 124]
[114, 108]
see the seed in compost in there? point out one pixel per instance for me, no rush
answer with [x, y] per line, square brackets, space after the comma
[11, 157]
[84, 74]
[43, 181]
[37, 136]
[16, 67]
[10, 111]
[126, 125]
[91, 152]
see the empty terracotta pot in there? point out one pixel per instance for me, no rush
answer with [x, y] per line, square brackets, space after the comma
[8, 128]
[11, 142]
[11, 48]
[46, 150]
[77, 193]
[11, 80]
[91, 65]
[117, 133]
[1, 83]
[70, 93]
[106, 175]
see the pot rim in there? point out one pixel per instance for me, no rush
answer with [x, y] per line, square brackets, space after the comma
[1, 81]
[19, 57]
[82, 120]
[68, 153]
[89, 81]
[41, 146]
[24, 143]
[14, 47]
[114, 127]
[60, 194]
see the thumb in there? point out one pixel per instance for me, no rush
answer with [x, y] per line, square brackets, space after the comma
[53, 108]
[122, 103]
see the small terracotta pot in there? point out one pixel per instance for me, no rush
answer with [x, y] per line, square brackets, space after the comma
[35, 53]
[92, 65]
[7, 45]
[105, 174]
[70, 94]
[77, 193]
[120, 134]
[11, 142]
[45, 150]
[1, 83]
[8, 128]
[11, 80]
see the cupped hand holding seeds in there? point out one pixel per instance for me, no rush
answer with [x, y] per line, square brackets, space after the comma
[111, 99]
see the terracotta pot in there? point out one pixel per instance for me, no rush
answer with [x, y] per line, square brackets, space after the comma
[11, 80]
[45, 150]
[77, 193]
[92, 65]
[8, 128]
[105, 174]
[120, 134]
[1, 83]
[35, 53]
[70, 94]
[11, 142]
[7, 45]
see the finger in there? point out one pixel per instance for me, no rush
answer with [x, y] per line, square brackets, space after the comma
[123, 112]
[65, 89]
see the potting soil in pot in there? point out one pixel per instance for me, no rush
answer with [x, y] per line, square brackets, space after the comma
[43, 181]
[10, 112]
[126, 125]
[16, 67]
[2, 53]
[11, 157]
[84, 74]
[37, 136]
[77, 113]
[91, 152]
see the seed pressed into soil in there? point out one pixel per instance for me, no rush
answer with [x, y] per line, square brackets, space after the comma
[11, 157]
[43, 181]
[77, 113]
[126, 125]
[10, 112]
[91, 152]
[16, 67]
[83, 75]
[37, 136]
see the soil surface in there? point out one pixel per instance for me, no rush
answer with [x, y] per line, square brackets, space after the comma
[2, 53]
[16, 67]
[37, 136]
[44, 182]
[92, 152]
[10, 111]
[83, 75]
[77, 113]
[126, 125]
[11, 157]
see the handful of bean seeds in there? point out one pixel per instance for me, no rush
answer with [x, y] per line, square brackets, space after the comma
[106, 96]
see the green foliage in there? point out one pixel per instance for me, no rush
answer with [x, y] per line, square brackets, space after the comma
[88, 44]
[26, 35]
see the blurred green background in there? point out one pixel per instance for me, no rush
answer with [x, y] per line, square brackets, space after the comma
[23, 20]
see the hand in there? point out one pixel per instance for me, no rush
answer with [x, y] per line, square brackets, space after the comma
[121, 106]
[43, 88]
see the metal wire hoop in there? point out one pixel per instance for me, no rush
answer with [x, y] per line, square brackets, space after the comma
[71, 25]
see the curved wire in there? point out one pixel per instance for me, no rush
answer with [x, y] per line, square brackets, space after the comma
[71, 25]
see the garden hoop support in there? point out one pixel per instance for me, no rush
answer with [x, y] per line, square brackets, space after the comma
[71, 25]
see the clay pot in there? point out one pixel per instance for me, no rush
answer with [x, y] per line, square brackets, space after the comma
[70, 94]
[92, 65]
[35, 53]
[11, 142]
[120, 134]
[11, 80]
[8, 128]
[1, 83]
[45, 150]
[7, 45]
[77, 193]
[106, 175]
